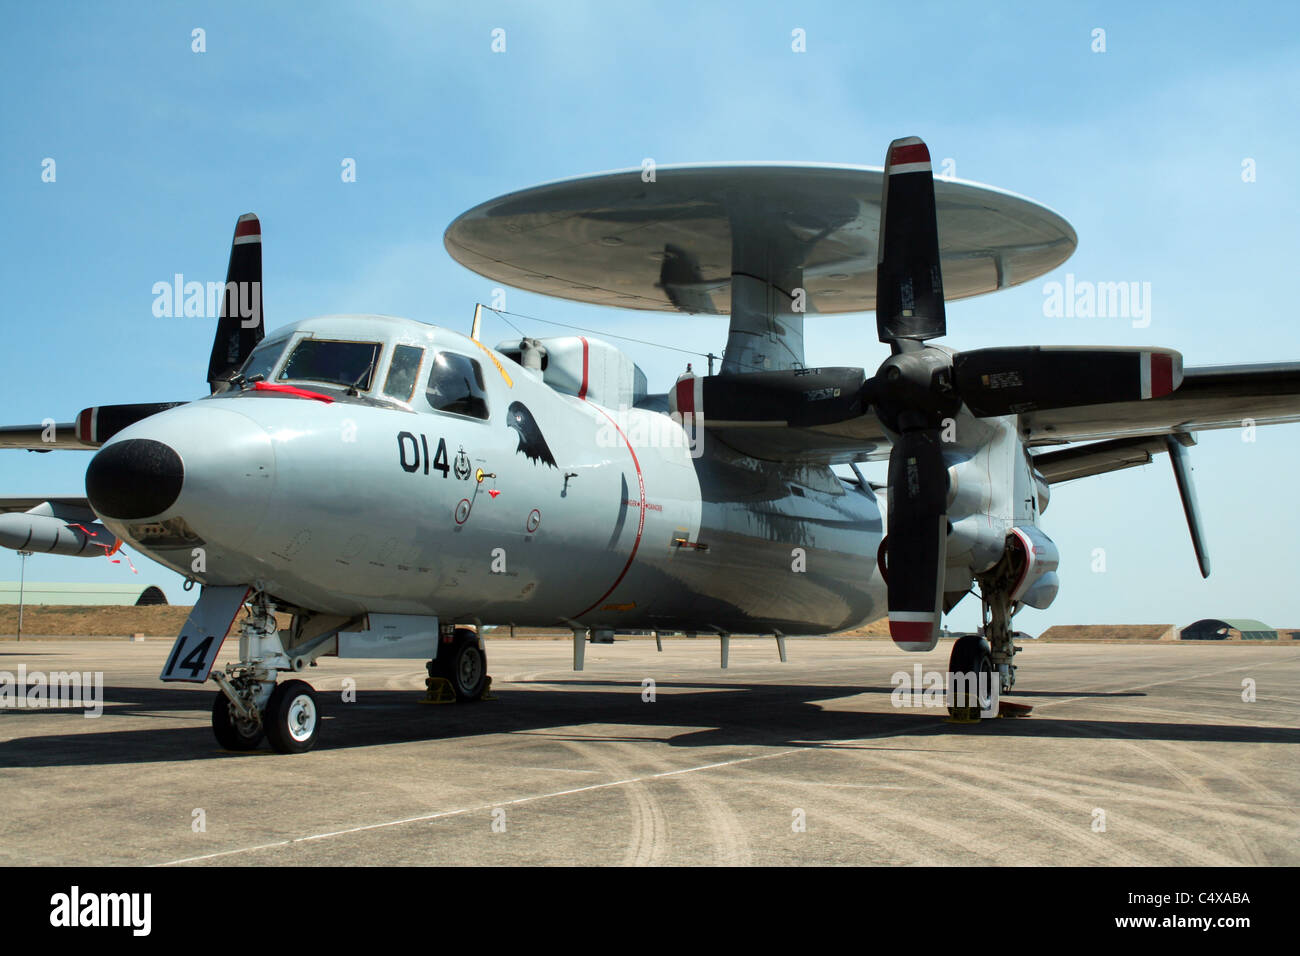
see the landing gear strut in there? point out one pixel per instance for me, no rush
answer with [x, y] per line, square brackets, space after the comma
[996, 585]
[250, 705]
[977, 660]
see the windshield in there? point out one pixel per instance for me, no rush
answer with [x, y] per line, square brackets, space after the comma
[262, 359]
[402, 370]
[339, 363]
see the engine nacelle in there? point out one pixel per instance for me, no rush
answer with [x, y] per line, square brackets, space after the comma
[46, 533]
[1039, 557]
[582, 366]
[1043, 591]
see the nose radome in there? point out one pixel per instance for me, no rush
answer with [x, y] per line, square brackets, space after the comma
[133, 479]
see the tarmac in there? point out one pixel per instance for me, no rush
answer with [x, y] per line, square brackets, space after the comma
[1133, 755]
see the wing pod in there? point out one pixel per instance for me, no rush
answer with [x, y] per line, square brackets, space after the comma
[50, 528]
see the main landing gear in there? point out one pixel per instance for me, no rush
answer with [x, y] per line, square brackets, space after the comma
[459, 672]
[981, 668]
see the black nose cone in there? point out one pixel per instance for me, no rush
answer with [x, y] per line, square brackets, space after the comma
[133, 479]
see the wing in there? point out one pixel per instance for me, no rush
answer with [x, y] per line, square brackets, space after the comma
[93, 427]
[1132, 433]
[1221, 396]
[818, 416]
[45, 437]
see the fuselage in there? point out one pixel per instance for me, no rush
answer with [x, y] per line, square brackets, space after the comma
[519, 504]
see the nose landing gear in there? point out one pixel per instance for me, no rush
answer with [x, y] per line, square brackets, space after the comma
[250, 705]
[292, 718]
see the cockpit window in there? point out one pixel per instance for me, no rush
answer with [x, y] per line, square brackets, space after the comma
[402, 370]
[263, 358]
[338, 363]
[456, 386]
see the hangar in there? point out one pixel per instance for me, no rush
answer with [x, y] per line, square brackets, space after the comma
[1229, 628]
[60, 593]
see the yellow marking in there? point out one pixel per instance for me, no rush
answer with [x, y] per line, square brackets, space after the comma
[495, 361]
[438, 691]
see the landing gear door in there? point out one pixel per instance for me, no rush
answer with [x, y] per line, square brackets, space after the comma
[195, 651]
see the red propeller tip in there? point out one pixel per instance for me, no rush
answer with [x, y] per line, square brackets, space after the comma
[247, 225]
[912, 632]
[909, 154]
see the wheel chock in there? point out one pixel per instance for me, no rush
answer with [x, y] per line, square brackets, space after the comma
[963, 715]
[1007, 708]
[438, 691]
[487, 690]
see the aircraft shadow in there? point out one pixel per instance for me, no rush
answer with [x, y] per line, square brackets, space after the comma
[763, 715]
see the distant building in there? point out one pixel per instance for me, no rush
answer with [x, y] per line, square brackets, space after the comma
[1229, 628]
[39, 592]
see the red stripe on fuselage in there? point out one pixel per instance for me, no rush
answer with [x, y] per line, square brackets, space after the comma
[640, 520]
[582, 392]
[292, 390]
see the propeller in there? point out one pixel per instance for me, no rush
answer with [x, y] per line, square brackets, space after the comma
[240, 327]
[919, 386]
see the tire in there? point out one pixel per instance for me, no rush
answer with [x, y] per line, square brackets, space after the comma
[292, 718]
[232, 733]
[971, 654]
[464, 664]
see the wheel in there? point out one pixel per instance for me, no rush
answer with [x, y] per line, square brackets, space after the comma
[292, 718]
[971, 655]
[464, 664]
[233, 733]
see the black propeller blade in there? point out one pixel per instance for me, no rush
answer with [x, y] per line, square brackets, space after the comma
[912, 392]
[1007, 381]
[909, 286]
[918, 537]
[240, 327]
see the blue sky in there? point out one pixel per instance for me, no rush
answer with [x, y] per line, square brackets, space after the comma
[159, 149]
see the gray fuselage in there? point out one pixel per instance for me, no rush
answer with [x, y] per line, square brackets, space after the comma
[564, 512]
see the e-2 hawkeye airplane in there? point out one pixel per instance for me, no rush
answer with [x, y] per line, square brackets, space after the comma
[392, 487]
